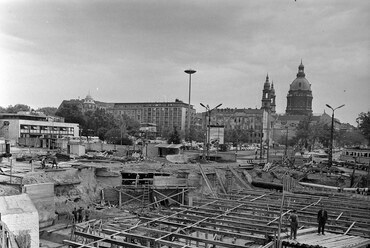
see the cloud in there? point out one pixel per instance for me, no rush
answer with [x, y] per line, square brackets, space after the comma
[138, 50]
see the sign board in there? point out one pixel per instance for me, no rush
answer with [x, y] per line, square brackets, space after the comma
[217, 134]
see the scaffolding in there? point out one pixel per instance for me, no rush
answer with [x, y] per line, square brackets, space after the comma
[237, 219]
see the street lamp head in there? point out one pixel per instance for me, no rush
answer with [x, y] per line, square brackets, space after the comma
[340, 106]
[190, 71]
[218, 105]
[201, 104]
[327, 105]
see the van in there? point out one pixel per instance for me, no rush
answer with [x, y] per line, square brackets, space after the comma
[320, 157]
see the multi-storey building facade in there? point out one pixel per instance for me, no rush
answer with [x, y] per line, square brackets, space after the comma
[254, 121]
[33, 125]
[164, 115]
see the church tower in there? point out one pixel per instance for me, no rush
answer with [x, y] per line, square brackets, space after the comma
[266, 97]
[272, 97]
[299, 98]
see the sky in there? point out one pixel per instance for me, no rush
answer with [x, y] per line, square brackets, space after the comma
[137, 51]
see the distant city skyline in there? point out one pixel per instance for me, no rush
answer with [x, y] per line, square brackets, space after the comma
[137, 51]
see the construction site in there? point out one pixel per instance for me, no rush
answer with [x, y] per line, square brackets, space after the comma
[103, 199]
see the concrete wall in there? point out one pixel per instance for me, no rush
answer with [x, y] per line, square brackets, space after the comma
[164, 181]
[77, 149]
[21, 216]
[42, 196]
[108, 178]
[111, 195]
[106, 147]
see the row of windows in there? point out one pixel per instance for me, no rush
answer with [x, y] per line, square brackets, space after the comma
[45, 132]
[357, 154]
[35, 128]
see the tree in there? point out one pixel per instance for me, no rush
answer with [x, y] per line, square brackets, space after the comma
[351, 138]
[174, 137]
[237, 136]
[132, 126]
[363, 121]
[303, 132]
[71, 113]
[321, 132]
[17, 108]
[49, 111]
[114, 136]
[308, 133]
[101, 133]
[165, 133]
[196, 134]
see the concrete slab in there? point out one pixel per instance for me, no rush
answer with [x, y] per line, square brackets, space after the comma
[21, 216]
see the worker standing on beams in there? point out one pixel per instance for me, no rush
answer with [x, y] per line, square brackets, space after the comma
[293, 224]
[322, 217]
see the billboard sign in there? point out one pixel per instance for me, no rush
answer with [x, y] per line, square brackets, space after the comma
[217, 134]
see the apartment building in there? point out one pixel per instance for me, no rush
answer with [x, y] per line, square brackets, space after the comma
[165, 115]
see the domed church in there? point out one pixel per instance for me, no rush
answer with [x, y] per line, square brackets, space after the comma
[299, 98]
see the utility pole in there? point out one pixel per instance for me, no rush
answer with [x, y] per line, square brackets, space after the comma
[286, 140]
[261, 144]
[332, 134]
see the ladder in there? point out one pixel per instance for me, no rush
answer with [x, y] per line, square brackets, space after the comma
[146, 195]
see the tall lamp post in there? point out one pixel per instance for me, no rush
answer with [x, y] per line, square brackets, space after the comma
[189, 71]
[331, 134]
[208, 110]
[286, 140]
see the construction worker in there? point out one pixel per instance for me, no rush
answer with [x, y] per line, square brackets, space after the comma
[43, 163]
[80, 214]
[87, 213]
[322, 217]
[31, 163]
[74, 212]
[54, 163]
[293, 218]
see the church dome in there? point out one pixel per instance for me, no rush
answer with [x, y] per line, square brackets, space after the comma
[89, 99]
[300, 83]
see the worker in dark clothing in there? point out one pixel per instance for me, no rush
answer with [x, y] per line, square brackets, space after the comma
[74, 212]
[31, 164]
[293, 224]
[322, 217]
[80, 216]
[87, 213]
[43, 163]
[55, 163]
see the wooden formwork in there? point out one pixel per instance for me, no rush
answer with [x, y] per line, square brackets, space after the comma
[243, 219]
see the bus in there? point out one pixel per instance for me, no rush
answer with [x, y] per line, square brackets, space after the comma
[356, 156]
